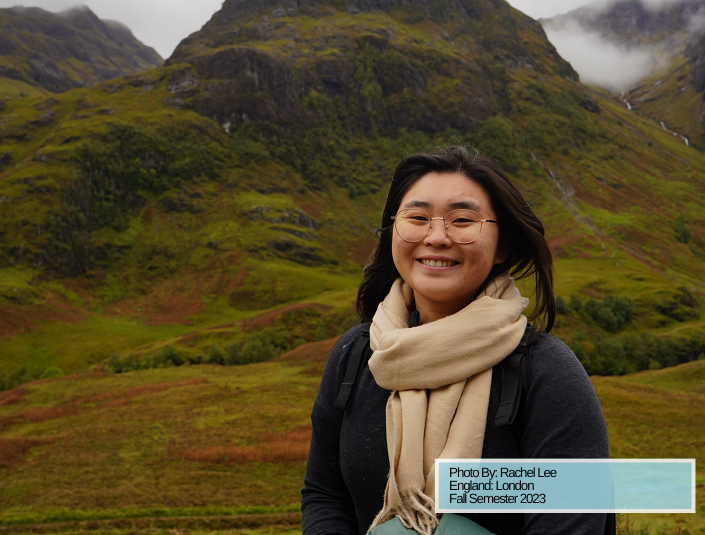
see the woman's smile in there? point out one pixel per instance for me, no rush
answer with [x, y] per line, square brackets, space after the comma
[438, 263]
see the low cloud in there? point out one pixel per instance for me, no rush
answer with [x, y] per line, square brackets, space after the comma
[696, 24]
[601, 62]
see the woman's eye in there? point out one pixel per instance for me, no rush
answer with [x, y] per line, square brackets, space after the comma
[417, 217]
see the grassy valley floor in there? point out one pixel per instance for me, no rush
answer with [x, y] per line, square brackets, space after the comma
[213, 449]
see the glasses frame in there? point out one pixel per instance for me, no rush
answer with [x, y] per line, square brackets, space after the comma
[445, 224]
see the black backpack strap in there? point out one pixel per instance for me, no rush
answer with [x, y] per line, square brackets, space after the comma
[512, 378]
[359, 355]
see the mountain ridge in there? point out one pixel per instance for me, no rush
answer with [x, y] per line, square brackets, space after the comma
[73, 48]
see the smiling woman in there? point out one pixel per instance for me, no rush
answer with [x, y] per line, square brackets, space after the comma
[443, 313]
[445, 274]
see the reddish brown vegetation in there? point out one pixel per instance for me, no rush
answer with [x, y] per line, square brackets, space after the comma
[558, 244]
[143, 390]
[69, 408]
[269, 318]
[13, 449]
[288, 447]
[18, 318]
[174, 300]
[189, 337]
[70, 377]
[10, 397]
[39, 414]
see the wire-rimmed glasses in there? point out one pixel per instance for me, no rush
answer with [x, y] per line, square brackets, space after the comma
[462, 226]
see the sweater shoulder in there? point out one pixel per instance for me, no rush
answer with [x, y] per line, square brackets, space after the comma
[342, 347]
[551, 356]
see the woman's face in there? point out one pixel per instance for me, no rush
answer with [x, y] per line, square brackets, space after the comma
[446, 276]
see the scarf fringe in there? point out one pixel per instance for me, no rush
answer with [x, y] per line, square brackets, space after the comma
[417, 512]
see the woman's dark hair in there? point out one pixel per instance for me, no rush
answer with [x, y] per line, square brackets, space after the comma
[521, 234]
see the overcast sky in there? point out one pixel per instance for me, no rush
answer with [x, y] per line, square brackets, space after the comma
[162, 24]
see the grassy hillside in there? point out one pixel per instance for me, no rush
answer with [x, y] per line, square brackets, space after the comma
[671, 97]
[192, 252]
[657, 414]
[212, 448]
[140, 227]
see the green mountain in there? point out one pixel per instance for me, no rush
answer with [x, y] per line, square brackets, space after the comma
[152, 219]
[73, 48]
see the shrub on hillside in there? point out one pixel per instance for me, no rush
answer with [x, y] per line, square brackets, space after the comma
[633, 352]
[215, 355]
[52, 373]
[575, 303]
[164, 358]
[12, 379]
[682, 230]
[264, 345]
[681, 306]
[611, 313]
[233, 355]
[561, 305]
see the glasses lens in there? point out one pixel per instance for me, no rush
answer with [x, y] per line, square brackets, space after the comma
[412, 224]
[463, 226]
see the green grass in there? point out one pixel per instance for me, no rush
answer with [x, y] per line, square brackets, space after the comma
[16, 89]
[116, 443]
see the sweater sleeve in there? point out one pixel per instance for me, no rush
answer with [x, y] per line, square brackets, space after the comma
[326, 505]
[563, 419]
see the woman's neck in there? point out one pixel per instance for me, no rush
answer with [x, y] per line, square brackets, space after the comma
[430, 311]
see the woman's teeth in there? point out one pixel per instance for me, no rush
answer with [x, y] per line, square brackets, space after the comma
[438, 263]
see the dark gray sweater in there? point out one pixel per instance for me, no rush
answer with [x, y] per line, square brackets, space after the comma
[347, 466]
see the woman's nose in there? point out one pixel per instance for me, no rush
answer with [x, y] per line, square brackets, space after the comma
[437, 235]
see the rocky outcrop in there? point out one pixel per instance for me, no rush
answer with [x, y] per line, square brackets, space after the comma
[69, 49]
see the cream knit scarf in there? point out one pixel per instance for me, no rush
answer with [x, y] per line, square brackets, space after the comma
[440, 375]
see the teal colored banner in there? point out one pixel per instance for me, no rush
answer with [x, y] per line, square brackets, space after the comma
[565, 485]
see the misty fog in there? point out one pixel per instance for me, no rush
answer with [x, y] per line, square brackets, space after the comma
[602, 63]
[615, 66]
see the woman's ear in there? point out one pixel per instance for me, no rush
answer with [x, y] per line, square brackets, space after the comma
[502, 252]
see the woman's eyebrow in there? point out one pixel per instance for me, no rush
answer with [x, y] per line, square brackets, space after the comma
[418, 204]
[458, 205]
[464, 205]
